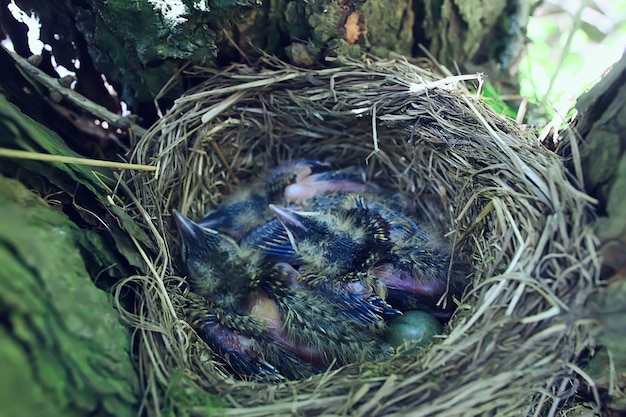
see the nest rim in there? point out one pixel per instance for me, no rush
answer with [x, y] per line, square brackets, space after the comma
[526, 227]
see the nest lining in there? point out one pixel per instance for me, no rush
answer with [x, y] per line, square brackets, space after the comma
[502, 200]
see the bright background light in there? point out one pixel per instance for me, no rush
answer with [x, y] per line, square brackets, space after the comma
[572, 44]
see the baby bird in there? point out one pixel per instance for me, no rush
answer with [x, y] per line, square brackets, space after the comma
[245, 344]
[240, 326]
[363, 241]
[347, 180]
[382, 208]
[418, 275]
[335, 251]
[316, 329]
[272, 238]
[300, 272]
[254, 305]
[350, 296]
[236, 339]
[416, 272]
[331, 243]
[294, 181]
[218, 268]
[290, 173]
[242, 212]
[249, 207]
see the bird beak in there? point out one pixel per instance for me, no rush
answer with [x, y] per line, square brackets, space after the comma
[315, 167]
[186, 227]
[292, 218]
[189, 230]
[286, 216]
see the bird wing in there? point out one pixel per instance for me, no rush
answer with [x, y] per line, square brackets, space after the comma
[236, 338]
[241, 353]
[272, 240]
[364, 307]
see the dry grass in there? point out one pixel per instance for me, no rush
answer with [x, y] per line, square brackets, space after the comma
[513, 346]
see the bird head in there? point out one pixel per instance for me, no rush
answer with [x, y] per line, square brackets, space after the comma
[331, 242]
[217, 268]
[240, 213]
[348, 180]
[195, 239]
[290, 173]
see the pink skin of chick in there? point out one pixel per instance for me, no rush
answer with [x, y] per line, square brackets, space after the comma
[399, 279]
[314, 185]
[261, 306]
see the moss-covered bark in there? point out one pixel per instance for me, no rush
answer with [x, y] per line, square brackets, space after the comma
[456, 32]
[600, 132]
[63, 349]
[141, 45]
[476, 31]
[601, 129]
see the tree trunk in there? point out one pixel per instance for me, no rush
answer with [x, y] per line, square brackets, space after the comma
[140, 47]
[600, 130]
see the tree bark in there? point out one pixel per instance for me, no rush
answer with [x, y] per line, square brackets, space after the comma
[141, 47]
[63, 349]
[600, 131]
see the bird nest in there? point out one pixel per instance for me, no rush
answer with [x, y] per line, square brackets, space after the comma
[515, 341]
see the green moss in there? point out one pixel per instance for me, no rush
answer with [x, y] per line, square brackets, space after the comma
[389, 25]
[21, 396]
[459, 32]
[182, 395]
[59, 330]
[613, 226]
[20, 131]
[303, 54]
[341, 47]
[602, 152]
[479, 21]
[275, 26]
[323, 17]
[140, 49]
[295, 22]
